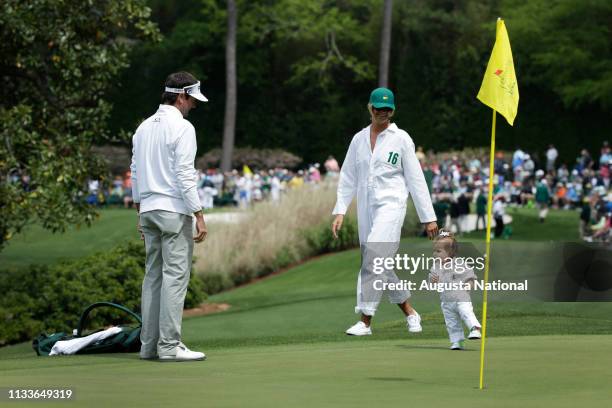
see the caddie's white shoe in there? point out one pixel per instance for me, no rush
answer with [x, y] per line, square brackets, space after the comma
[475, 333]
[184, 354]
[414, 323]
[457, 345]
[359, 329]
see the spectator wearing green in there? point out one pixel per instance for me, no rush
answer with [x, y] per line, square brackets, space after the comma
[542, 197]
[481, 209]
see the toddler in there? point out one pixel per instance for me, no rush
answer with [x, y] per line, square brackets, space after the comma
[456, 304]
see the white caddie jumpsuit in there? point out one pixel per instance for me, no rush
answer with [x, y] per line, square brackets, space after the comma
[382, 180]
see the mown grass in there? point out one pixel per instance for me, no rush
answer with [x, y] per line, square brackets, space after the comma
[537, 371]
[560, 225]
[36, 245]
[314, 302]
[282, 344]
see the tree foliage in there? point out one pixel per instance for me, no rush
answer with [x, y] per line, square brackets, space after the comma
[299, 66]
[305, 69]
[566, 47]
[443, 49]
[57, 61]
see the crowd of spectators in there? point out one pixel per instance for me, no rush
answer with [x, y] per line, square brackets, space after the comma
[459, 179]
[215, 188]
[243, 188]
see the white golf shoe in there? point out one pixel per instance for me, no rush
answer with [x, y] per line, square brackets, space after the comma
[475, 333]
[184, 354]
[458, 345]
[414, 323]
[359, 329]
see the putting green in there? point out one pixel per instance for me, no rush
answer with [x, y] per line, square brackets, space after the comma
[535, 371]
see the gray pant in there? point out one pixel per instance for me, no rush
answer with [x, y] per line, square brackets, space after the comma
[169, 245]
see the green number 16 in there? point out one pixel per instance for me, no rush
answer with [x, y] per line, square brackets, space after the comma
[392, 158]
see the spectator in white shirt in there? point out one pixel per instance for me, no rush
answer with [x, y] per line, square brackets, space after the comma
[498, 215]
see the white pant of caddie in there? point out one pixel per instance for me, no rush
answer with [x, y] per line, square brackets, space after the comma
[454, 314]
[383, 227]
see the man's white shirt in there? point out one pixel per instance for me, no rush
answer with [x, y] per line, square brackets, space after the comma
[385, 176]
[163, 154]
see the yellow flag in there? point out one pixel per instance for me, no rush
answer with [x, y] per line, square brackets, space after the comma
[499, 89]
[246, 170]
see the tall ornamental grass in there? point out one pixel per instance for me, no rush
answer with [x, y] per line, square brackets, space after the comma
[271, 236]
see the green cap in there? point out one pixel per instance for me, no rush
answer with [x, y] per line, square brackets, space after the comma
[382, 98]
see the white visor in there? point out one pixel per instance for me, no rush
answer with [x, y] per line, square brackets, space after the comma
[192, 90]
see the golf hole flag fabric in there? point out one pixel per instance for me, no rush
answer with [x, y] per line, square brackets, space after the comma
[499, 89]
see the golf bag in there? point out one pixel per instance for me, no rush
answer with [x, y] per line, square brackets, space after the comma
[127, 340]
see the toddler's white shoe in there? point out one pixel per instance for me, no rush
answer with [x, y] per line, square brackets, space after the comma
[359, 329]
[475, 333]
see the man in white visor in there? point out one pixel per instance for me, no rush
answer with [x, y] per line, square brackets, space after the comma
[164, 187]
[381, 169]
[192, 90]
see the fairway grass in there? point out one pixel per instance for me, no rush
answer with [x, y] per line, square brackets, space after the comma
[536, 371]
[36, 245]
[282, 343]
[560, 225]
